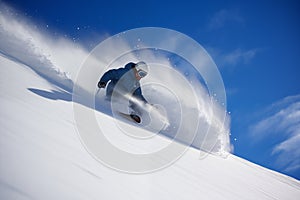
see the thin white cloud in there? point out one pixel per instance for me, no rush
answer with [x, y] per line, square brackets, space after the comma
[239, 56]
[283, 119]
[233, 58]
[224, 17]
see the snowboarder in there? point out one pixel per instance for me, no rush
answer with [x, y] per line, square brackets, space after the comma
[125, 81]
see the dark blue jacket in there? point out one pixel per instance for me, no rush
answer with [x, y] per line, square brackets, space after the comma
[125, 80]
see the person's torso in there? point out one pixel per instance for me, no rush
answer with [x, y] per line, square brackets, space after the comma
[126, 81]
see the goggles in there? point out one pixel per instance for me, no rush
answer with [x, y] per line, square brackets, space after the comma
[142, 73]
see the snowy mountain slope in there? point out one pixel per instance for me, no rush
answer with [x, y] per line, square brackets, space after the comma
[60, 61]
[42, 156]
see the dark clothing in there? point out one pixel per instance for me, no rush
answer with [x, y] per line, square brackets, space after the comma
[123, 81]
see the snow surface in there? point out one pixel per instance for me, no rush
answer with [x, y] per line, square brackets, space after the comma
[42, 155]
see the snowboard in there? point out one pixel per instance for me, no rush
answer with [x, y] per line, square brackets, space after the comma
[132, 117]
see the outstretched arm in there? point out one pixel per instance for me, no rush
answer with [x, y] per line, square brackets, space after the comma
[107, 76]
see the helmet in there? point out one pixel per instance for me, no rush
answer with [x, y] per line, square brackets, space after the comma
[142, 68]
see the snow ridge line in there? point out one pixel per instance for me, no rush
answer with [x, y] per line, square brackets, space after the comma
[22, 42]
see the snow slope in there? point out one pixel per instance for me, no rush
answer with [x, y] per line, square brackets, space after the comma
[42, 156]
[60, 61]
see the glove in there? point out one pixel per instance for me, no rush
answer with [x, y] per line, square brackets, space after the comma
[101, 84]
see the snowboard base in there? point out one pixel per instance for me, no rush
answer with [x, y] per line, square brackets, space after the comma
[131, 117]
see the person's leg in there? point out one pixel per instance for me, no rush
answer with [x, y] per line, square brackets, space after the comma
[135, 108]
[109, 91]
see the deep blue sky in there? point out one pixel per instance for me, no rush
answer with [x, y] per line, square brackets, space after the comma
[255, 44]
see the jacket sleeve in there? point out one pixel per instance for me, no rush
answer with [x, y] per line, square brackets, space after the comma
[107, 76]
